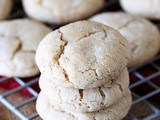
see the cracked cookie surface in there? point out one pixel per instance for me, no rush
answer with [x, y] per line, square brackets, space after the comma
[19, 40]
[87, 100]
[5, 8]
[117, 111]
[143, 36]
[83, 55]
[61, 11]
[149, 8]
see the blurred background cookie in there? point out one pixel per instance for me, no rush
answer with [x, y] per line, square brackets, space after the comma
[145, 8]
[5, 8]
[61, 11]
[143, 36]
[19, 40]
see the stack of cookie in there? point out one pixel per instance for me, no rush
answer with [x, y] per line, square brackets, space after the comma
[84, 74]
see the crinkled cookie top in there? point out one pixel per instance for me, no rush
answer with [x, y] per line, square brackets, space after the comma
[19, 40]
[83, 55]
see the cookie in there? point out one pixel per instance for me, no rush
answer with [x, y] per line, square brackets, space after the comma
[149, 8]
[115, 112]
[83, 55]
[5, 8]
[19, 40]
[88, 100]
[143, 36]
[61, 11]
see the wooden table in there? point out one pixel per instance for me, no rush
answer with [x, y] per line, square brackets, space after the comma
[6, 114]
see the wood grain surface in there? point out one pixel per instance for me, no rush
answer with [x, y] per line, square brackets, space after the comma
[6, 114]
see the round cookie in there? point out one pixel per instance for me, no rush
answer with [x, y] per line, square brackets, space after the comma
[19, 40]
[143, 36]
[61, 11]
[5, 8]
[149, 8]
[87, 100]
[115, 112]
[83, 55]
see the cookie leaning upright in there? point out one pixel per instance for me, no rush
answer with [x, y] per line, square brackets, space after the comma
[83, 55]
[19, 40]
[5, 8]
[61, 11]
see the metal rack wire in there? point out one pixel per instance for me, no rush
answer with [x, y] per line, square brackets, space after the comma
[145, 87]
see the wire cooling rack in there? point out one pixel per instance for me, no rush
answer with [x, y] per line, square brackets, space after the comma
[145, 82]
